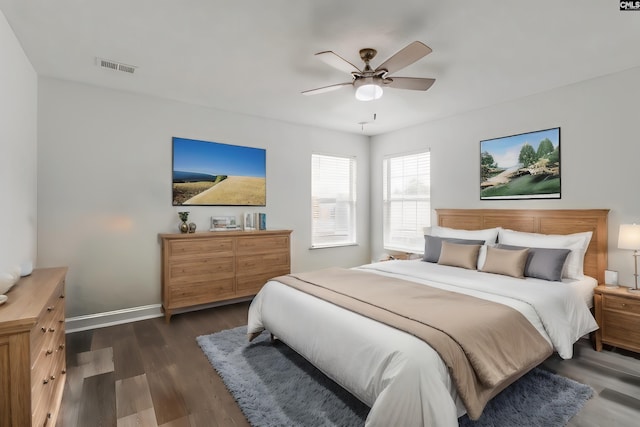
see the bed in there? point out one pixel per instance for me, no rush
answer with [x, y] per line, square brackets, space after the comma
[404, 380]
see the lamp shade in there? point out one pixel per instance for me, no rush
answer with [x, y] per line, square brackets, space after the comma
[629, 236]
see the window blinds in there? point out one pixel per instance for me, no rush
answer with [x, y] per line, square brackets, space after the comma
[406, 201]
[333, 197]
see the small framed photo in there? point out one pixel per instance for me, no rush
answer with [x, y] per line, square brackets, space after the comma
[249, 221]
[611, 279]
[224, 223]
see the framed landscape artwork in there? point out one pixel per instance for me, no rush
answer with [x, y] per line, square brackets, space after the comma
[523, 166]
[214, 174]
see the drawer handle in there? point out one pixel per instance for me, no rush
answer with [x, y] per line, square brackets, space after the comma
[61, 346]
[49, 352]
[52, 330]
[45, 381]
[62, 296]
[50, 308]
[64, 371]
[53, 377]
[43, 329]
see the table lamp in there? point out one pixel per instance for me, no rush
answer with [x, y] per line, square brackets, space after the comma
[629, 238]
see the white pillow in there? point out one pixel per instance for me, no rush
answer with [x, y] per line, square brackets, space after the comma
[577, 243]
[489, 235]
[482, 256]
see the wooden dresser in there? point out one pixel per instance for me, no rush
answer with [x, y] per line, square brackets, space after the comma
[618, 315]
[32, 350]
[202, 268]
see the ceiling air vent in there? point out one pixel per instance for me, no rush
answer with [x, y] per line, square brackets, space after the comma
[116, 66]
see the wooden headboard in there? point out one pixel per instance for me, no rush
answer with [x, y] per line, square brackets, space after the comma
[546, 221]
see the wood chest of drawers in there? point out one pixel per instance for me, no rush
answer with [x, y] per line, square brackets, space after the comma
[32, 350]
[618, 315]
[202, 268]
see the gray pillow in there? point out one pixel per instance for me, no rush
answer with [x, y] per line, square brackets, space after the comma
[543, 263]
[433, 246]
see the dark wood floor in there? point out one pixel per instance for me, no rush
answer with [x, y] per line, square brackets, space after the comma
[148, 373]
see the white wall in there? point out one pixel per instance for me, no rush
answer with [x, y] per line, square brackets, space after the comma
[104, 183]
[18, 148]
[600, 154]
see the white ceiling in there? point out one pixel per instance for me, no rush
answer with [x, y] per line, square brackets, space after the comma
[256, 56]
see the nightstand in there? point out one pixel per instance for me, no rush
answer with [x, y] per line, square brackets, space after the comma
[403, 257]
[618, 315]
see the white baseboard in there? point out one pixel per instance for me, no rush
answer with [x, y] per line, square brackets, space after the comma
[133, 314]
[110, 318]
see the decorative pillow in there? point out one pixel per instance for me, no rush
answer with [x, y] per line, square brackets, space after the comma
[482, 256]
[457, 255]
[489, 235]
[433, 246]
[507, 262]
[543, 263]
[577, 243]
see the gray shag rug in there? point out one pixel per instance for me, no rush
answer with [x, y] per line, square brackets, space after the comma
[274, 386]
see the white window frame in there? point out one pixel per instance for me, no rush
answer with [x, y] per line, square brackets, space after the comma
[326, 230]
[405, 213]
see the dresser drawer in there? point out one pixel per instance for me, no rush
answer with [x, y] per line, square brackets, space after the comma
[200, 292]
[262, 263]
[624, 304]
[252, 245]
[50, 321]
[44, 394]
[41, 375]
[53, 343]
[621, 328]
[199, 270]
[41, 403]
[188, 248]
[250, 285]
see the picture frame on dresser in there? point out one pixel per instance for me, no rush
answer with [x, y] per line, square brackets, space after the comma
[249, 222]
[224, 223]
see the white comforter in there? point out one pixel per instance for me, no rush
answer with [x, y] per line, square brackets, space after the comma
[400, 377]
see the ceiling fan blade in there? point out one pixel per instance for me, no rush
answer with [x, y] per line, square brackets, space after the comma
[411, 83]
[326, 89]
[405, 57]
[336, 61]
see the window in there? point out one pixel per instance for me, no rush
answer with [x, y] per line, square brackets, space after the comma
[333, 201]
[406, 201]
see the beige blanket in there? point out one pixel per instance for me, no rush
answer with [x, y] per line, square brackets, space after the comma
[485, 345]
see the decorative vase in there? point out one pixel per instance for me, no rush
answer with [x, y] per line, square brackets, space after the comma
[192, 227]
[184, 227]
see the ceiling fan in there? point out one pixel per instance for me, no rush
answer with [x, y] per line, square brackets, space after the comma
[369, 82]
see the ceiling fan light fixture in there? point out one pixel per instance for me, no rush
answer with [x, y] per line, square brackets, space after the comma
[368, 82]
[368, 91]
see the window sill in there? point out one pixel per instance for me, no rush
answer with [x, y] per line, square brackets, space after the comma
[333, 246]
[405, 250]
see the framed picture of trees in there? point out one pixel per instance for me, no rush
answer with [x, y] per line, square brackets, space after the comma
[523, 166]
